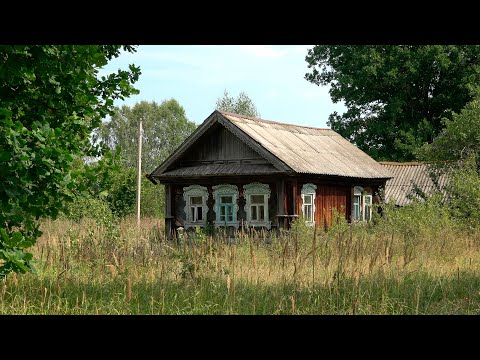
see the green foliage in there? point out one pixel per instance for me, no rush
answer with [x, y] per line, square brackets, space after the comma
[51, 101]
[396, 96]
[123, 191]
[242, 105]
[463, 192]
[456, 150]
[165, 127]
[109, 191]
[152, 199]
[90, 207]
[460, 137]
[421, 219]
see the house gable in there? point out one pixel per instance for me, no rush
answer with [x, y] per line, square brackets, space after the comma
[219, 144]
[217, 147]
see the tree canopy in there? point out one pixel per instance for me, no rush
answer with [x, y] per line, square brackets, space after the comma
[51, 100]
[396, 96]
[456, 150]
[460, 137]
[165, 127]
[242, 105]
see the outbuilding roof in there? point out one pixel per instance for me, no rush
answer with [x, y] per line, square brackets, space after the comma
[407, 177]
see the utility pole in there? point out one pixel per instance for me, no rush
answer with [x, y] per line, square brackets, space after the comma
[139, 169]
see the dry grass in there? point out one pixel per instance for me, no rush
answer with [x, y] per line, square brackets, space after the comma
[84, 268]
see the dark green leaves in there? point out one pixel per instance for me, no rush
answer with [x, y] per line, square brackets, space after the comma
[51, 101]
[396, 96]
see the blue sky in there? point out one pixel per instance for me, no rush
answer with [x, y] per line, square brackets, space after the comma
[197, 75]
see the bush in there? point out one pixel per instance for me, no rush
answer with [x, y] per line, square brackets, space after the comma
[463, 193]
[88, 207]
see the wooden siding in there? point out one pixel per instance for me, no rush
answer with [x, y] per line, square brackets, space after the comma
[169, 214]
[219, 144]
[327, 197]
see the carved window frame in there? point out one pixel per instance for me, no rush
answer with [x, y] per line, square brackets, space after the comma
[257, 188]
[309, 189]
[360, 193]
[192, 191]
[230, 190]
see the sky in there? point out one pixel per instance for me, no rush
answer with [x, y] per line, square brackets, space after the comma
[197, 75]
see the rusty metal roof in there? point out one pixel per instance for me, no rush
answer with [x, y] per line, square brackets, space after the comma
[406, 175]
[309, 150]
[221, 169]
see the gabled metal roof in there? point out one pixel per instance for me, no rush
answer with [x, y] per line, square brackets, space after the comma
[406, 176]
[309, 150]
[289, 148]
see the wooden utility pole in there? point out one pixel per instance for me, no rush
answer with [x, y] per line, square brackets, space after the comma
[139, 169]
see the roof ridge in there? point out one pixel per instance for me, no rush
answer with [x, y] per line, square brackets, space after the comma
[270, 121]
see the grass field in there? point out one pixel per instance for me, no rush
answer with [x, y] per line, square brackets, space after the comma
[87, 268]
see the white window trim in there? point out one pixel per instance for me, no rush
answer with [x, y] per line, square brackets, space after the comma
[358, 190]
[309, 189]
[257, 188]
[367, 195]
[225, 189]
[195, 190]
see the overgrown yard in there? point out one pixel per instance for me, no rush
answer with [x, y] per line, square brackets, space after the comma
[399, 266]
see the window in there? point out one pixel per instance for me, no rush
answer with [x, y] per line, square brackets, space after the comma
[357, 200]
[362, 205]
[257, 207]
[256, 204]
[308, 203]
[196, 208]
[307, 207]
[225, 206]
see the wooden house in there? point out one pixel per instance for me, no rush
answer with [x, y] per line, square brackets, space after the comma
[236, 172]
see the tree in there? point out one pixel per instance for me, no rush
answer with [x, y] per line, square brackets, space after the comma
[396, 96]
[460, 137]
[51, 101]
[242, 105]
[165, 127]
[457, 150]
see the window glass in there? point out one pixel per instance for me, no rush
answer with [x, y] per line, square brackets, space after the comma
[195, 200]
[257, 199]
[226, 199]
[356, 207]
[307, 199]
[229, 213]
[254, 213]
[308, 212]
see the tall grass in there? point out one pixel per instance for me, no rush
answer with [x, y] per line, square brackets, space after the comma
[410, 261]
